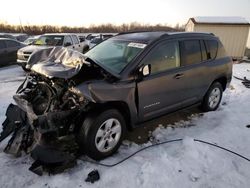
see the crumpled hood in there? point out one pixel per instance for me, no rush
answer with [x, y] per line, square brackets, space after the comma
[57, 62]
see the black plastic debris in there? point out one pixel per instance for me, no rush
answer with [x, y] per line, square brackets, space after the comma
[37, 168]
[15, 117]
[244, 80]
[93, 176]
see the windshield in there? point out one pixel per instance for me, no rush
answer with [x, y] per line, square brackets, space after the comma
[114, 54]
[49, 40]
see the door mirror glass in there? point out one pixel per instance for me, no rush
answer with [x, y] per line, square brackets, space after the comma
[145, 70]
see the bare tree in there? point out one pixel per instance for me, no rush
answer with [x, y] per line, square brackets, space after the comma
[103, 28]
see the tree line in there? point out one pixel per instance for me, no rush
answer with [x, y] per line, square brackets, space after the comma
[103, 28]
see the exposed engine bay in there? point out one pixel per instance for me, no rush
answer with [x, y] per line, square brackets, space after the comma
[48, 111]
[54, 104]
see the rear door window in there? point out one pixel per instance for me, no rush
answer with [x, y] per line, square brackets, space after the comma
[75, 39]
[190, 52]
[212, 48]
[221, 50]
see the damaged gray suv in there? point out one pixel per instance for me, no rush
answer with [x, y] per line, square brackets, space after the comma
[73, 104]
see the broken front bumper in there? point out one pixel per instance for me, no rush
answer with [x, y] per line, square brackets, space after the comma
[41, 136]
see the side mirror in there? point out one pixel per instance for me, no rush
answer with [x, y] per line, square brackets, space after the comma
[145, 70]
[67, 44]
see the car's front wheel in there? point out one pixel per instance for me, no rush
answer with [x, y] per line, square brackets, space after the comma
[101, 135]
[213, 97]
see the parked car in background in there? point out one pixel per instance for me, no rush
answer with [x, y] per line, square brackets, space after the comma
[95, 41]
[106, 36]
[8, 50]
[20, 36]
[31, 39]
[81, 38]
[89, 37]
[15, 36]
[70, 41]
[7, 35]
[98, 39]
[85, 43]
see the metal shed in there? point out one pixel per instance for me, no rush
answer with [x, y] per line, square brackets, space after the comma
[232, 31]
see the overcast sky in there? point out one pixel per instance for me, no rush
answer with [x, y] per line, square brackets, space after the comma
[86, 12]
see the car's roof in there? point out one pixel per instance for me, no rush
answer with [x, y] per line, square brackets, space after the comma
[59, 34]
[2, 38]
[147, 37]
[144, 37]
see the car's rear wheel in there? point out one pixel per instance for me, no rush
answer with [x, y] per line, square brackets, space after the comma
[213, 97]
[101, 135]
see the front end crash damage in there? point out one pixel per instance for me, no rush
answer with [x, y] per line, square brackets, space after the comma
[51, 105]
[43, 123]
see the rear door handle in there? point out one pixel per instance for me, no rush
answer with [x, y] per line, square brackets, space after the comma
[178, 76]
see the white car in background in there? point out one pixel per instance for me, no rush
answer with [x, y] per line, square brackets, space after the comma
[31, 39]
[45, 41]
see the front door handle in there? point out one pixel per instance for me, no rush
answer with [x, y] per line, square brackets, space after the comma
[178, 76]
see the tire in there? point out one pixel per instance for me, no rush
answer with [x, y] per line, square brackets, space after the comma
[101, 135]
[212, 99]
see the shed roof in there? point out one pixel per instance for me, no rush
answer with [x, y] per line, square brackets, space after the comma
[220, 20]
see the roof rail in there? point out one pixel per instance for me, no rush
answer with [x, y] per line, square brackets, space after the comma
[129, 32]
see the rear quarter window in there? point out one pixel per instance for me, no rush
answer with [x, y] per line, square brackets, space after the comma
[190, 52]
[221, 51]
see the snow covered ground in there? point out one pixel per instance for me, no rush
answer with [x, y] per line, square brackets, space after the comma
[183, 164]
